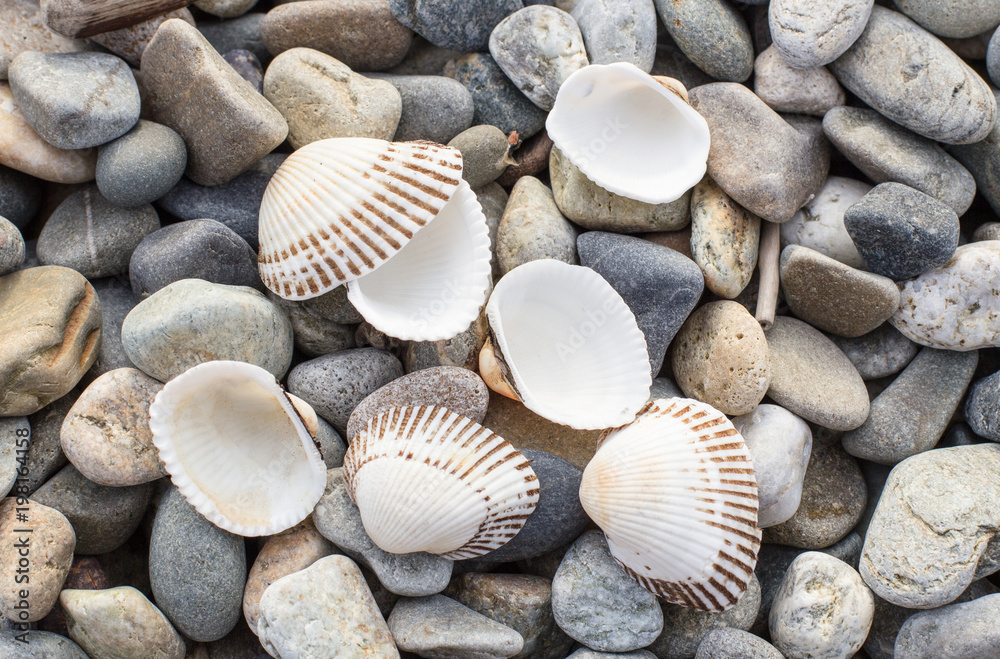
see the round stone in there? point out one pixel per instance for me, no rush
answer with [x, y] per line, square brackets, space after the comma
[799, 91]
[712, 34]
[117, 621]
[880, 353]
[532, 228]
[618, 31]
[982, 407]
[807, 35]
[496, 100]
[141, 166]
[453, 24]
[819, 225]
[435, 108]
[724, 239]
[11, 247]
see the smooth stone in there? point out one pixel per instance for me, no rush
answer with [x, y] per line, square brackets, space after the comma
[248, 66]
[956, 306]
[821, 609]
[587, 653]
[116, 302]
[484, 154]
[788, 89]
[460, 350]
[532, 228]
[424, 59]
[438, 627]
[119, 622]
[724, 239]
[412, 575]
[51, 318]
[819, 224]
[493, 200]
[236, 33]
[959, 630]
[236, 204]
[454, 24]
[982, 407]
[321, 97]
[592, 207]
[191, 321]
[75, 100]
[193, 249]
[595, 602]
[982, 160]
[833, 499]
[993, 58]
[780, 444]
[538, 47]
[93, 236]
[24, 29]
[35, 644]
[50, 543]
[878, 354]
[457, 389]
[729, 643]
[712, 34]
[767, 165]
[616, 31]
[807, 35]
[673, 63]
[834, 297]
[20, 194]
[923, 99]
[957, 20]
[322, 324]
[987, 231]
[226, 125]
[11, 247]
[129, 42]
[84, 574]
[912, 413]
[435, 108]
[885, 151]
[196, 570]
[45, 456]
[497, 101]
[15, 443]
[142, 165]
[659, 285]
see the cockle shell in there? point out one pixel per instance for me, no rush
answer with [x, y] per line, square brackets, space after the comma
[629, 132]
[564, 343]
[238, 447]
[676, 496]
[427, 479]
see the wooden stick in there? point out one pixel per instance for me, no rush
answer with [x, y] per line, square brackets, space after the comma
[85, 18]
[767, 262]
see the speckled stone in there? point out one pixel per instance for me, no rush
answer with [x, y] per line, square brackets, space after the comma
[142, 165]
[532, 228]
[35, 644]
[987, 231]
[496, 100]
[958, 21]
[729, 643]
[712, 34]
[129, 42]
[323, 324]
[438, 627]
[982, 408]
[435, 108]
[587, 653]
[484, 154]
[454, 24]
[45, 456]
[819, 225]
[225, 8]
[880, 353]
[119, 622]
[959, 630]
[11, 247]
[788, 89]
[25, 30]
[616, 31]
[807, 35]
[493, 200]
[724, 239]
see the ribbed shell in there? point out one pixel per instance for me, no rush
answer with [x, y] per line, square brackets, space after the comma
[427, 479]
[339, 208]
[676, 496]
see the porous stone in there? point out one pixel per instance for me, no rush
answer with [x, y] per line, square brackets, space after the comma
[808, 35]
[129, 42]
[142, 165]
[532, 228]
[20, 194]
[496, 100]
[24, 29]
[438, 627]
[880, 353]
[788, 89]
[618, 31]
[982, 408]
[435, 108]
[484, 154]
[35, 644]
[724, 239]
[958, 21]
[819, 225]
[959, 630]
[454, 24]
[11, 247]
[712, 34]
[119, 622]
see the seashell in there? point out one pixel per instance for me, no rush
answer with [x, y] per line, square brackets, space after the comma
[630, 133]
[676, 496]
[238, 447]
[565, 344]
[427, 479]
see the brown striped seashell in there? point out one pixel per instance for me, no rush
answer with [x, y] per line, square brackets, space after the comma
[675, 493]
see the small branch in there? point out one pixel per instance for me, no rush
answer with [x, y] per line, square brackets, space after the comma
[767, 261]
[85, 18]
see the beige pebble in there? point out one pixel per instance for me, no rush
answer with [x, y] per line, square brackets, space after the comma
[119, 622]
[532, 228]
[24, 29]
[724, 239]
[129, 42]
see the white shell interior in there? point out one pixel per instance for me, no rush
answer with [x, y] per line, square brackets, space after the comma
[427, 479]
[235, 447]
[676, 496]
[436, 285]
[628, 133]
[572, 346]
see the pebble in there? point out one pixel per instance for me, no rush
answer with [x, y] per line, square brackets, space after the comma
[460, 350]
[20, 194]
[496, 100]
[84, 574]
[190, 86]
[129, 42]
[193, 249]
[191, 321]
[412, 575]
[317, 323]
[461, 391]
[484, 154]
[982, 159]
[982, 407]
[435, 108]
[24, 29]
[764, 163]
[822, 609]
[930, 529]
[959, 630]
[438, 627]
[248, 66]
[807, 36]
[119, 622]
[587, 653]
[45, 456]
[968, 19]
[833, 499]
[320, 97]
[51, 320]
[201, 597]
[987, 231]
[75, 100]
[724, 239]
[819, 224]
[141, 166]
[531, 158]
[659, 285]
[237, 33]
[993, 58]
[834, 297]
[780, 444]
[785, 88]
[538, 47]
[595, 602]
[712, 34]
[493, 200]
[880, 353]
[616, 31]
[11, 247]
[325, 610]
[954, 307]
[93, 236]
[592, 207]
[923, 100]
[35, 644]
[729, 643]
[885, 151]
[16, 432]
[912, 413]
[225, 8]
[454, 24]
[532, 228]
[116, 301]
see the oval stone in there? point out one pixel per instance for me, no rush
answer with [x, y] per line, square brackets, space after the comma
[809, 34]
[119, 621]
[724, 239]
[712, 34]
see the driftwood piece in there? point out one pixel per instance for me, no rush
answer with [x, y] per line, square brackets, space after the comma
[85, 18]
[767, 261]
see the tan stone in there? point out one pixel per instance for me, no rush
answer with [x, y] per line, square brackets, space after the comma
[533, 228]
[724, 239]
[23, 28]
[129, 42]
[461, 350]
[120, 623]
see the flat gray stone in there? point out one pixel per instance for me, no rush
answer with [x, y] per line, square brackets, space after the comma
[808, 35]
[880, 353]
[484, 154]
[116, 302]
[712, 34]
[497, 101]
[438, 627]
[20, 197]
[618, 31]
[435, 108]
[967, 630]
[323, 324]
[142, 165]
[982, 407]
[45, 455]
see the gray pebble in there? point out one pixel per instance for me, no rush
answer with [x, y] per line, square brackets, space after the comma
[438, 627]
[958, 631]
[20, 196]
[493, 200]
[808, 34]
[15, 440]
[36, 644]
[587, 653]
[788, 89]
[453, 24]
[983, 160]
[618, 31]
[331, 445]
[987, 231]
[993, 58]
[247, 65]
[242, 32]
[955, 19]
[729, 643]
[45, 456]
[435, 108]
[672, 62]
[424, 59]
[712, 34]
[496, 100]
[142, 165]
[532, 228]
[878, 354]
[484, 154]
[982, 408]
[11, 247]
[322, 324]
[117, 301]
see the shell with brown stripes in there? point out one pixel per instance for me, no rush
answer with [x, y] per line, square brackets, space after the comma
[339, 208]
[427, 479]
[676, 496]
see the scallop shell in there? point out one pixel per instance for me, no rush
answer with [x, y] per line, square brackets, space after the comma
[566, 345]
[436, 285]
[676, 496]
[238, 447]
[427, 479]
[339, 208]
[630, 133]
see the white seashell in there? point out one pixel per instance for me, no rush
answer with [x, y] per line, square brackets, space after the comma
[630, 133]
[427, 479]
[436, 285]
[676, 496]
[238, 447]
[339, 208]
[567, 345]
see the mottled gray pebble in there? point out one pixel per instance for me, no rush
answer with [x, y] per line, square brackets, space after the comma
[618, 31]
[20, 196]
[117, 301]
[247, 65]
[15, 439]
[35, 644]
[484, 154]
[810, 35]
[497, 101]
[958, 21]
[712, 34]
[729, 643]
[438, 627]
[142, 165]
[322, 324]
[982, 408]
[532, 228]
[959, 631]
[11, 247]
[789, 89]
[45, 456]
[242, 32]
[435, 108]
[880, 353]
[454, 24]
